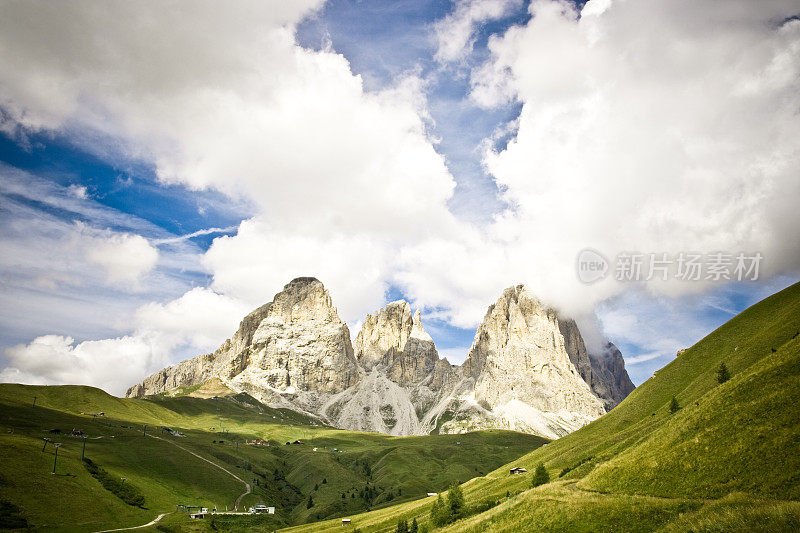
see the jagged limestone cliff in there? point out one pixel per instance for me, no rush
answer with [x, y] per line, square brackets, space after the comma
[405, 375]
[519, 375]
[528, 369]
[604, 371]
[294, 349]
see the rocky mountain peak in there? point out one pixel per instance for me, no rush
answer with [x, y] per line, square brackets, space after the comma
[417, 331]
[404, 379]
[522, 372]
[304, 299]
[528, 369]
[295, 345]
[387, 329]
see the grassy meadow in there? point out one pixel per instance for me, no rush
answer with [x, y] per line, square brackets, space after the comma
[720, 457]
[726, 460]
[367, 471]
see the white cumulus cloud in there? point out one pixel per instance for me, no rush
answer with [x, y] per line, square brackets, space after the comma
[125, 257]
[456, 33]
[660, 126]
[112, 364]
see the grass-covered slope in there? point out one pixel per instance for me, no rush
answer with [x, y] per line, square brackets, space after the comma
[367, 470]
[727, 460]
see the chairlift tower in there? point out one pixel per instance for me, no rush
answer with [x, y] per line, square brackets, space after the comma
[55, 457]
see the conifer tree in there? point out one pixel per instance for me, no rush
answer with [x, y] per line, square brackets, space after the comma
[440, 513]
[455, 500]
[540, 476]
[674, 406]
[722, 373]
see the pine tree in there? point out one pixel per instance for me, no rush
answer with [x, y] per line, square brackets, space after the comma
[674, 406]
[324, 480]
[310, 503]
[402, 526]
[540, 476]
[440, 513]
[436, 510]
[414, 526]
[455, 500]
[722, 373]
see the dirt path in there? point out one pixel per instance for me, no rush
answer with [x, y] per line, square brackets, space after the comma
[162, 515]
[246, 484]
[150, 523]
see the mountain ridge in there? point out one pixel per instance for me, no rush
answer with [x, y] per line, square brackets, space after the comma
[296, 352]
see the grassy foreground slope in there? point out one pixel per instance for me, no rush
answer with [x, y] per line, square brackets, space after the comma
[727, 460]
[367, 470]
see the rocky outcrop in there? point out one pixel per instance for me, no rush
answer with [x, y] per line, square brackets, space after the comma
[528, 369]
[521, 372]
[406, 376]
[295, 347]
[610, 380]
[223, 362]
[604, 371]
[395, 340]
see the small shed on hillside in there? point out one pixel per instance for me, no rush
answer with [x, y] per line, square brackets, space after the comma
[345, 522]
[518, 470]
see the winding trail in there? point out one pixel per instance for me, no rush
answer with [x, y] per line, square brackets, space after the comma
[150, 523]
[162, 515]
[246, 484]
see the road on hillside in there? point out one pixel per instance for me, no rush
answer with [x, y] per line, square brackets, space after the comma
[150, 523]
[162, 515]
[246, 484]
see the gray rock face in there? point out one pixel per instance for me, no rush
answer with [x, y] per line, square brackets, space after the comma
[294, 347]
[225, 361]
[527, 370]
[610, 380]
[406, 376]
[604, 371]
[521, 372]
[395, 340]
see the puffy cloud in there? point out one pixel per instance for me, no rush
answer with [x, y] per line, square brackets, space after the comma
[652, 127]
[655, 127]
[125, 257]
[78, 191]
[258, 261]
[112, 364]
[200, 318]
[456, 33]
[197, 322]
[225, 99]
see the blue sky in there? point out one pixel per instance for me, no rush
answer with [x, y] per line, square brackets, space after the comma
[157, 184]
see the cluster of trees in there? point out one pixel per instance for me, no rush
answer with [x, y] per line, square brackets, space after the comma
[404, 527]
[447, 511]
[127, 492]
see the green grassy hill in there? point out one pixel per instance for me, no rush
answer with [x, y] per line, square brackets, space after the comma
[366, 472]
[727, 460]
